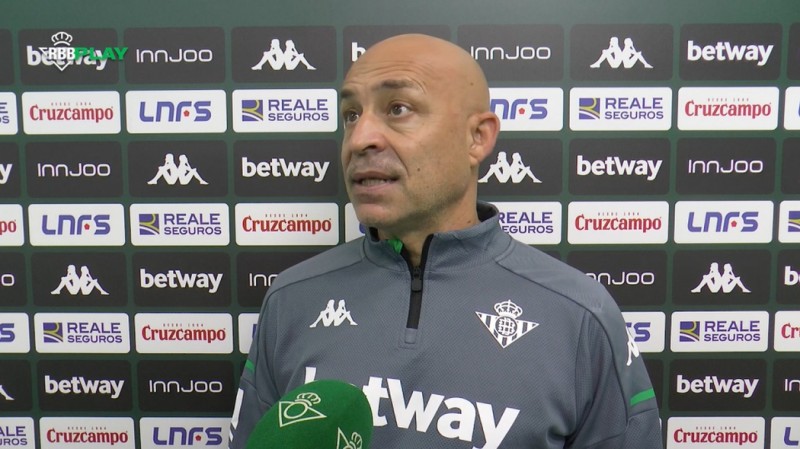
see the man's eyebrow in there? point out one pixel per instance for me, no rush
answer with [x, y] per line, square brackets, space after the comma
[391, 84]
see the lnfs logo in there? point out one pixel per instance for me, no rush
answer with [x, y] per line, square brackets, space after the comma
[528, 109]
[176, 111]
[725, 222]
[77, 224]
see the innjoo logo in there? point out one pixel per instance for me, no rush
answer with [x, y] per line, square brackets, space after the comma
[728, 108]
[618, 222]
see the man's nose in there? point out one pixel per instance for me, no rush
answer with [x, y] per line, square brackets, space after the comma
[368, 133]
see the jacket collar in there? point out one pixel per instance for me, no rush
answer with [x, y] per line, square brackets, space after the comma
[448, 251]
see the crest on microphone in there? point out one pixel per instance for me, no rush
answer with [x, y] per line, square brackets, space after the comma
[354, 442]
[300, 410]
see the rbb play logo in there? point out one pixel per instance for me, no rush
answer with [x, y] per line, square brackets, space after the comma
[176, 111]
[70, 56]
[528, 109]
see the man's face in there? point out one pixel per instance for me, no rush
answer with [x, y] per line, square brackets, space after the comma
[406, 139]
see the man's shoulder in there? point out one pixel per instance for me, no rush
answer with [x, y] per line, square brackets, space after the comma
[550, 273]
[328, 261]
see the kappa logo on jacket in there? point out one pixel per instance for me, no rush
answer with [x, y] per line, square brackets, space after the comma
[505, 327]
[334, 316]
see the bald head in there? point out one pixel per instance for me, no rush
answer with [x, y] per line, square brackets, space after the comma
[443, 65]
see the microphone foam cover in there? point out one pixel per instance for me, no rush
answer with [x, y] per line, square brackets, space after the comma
[324, 414]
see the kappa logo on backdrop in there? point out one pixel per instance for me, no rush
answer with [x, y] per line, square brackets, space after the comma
[84, 284]
[334, 316]
[283, 54]
[5, 396]
[505, 327]
[627, 57]
[287, 58]
[725, 282]
[516, 171]
[172, 174]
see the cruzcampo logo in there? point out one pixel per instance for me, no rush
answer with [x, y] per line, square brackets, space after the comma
[299, 410]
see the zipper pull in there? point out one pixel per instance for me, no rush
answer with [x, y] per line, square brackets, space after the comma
[416, 280]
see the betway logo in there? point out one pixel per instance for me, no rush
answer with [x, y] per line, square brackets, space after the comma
[81, 385]
[278, 167]
[790, 277]
[714, 384]
[724, 51]
[422, 413]
[614, 165]
[177, 279]
[5, 172]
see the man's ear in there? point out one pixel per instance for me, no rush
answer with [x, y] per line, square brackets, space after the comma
[484, 128]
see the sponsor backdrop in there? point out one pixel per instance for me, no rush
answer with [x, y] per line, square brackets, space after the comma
[160, 163]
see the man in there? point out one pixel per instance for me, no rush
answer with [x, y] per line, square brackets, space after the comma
[459, 336]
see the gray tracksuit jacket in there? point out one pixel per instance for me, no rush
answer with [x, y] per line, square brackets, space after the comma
[488, 344]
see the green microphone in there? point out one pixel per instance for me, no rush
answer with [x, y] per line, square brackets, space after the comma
[324, 414]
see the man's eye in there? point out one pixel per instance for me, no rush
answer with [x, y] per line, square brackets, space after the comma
[398, 109]
[350, 117]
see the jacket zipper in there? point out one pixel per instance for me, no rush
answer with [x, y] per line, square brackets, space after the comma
[417, 274]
